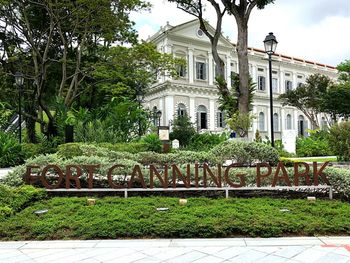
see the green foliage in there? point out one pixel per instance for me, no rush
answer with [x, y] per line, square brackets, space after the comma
[344, 69]
[240, 123]
[183, 130]
[11, 153]
[152, 142]
[69, 150]
[12, 200]
[31, 150]
[245, 152]
[317, 144]
[136, 217]
[205, 141]
[339, 140]
[336, 101]
[308, 97]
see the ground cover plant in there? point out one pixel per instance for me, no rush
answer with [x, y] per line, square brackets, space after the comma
[136, 217]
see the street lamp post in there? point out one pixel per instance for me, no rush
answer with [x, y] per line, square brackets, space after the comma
[139, 98]
[159, 115]
[19, 78]
[270, 44]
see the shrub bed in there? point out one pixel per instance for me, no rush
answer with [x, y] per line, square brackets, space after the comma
[111, 218]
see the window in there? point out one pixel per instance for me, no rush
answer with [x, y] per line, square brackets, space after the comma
[201, 71]
[220, 120]
[275, 122]
[289, 85]
[181, 110]
[300, 84]
[202, 117]
[261, 121]
[181, 71]
[261, 83]
[289, 122]
[275, 85]
[302, 126]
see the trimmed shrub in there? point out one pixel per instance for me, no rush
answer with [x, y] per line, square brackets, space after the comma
[317, 144]
[130, 147]
[69, 150]
[152, 143]
[11, 153]
[339, 140]
[246, 153]
[15, 199]
[205, 141]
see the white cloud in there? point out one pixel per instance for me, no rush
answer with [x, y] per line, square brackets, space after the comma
[314, 30]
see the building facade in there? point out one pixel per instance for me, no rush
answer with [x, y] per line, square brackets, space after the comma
[194, 92]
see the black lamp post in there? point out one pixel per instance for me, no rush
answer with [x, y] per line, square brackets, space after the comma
[139, 98]
[270, 44]
[19, 78]
[159, 115]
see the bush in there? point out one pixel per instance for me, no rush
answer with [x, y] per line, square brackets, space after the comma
[317, 144]
[130, 147]
[152, 143]
[15, 199]
[339, 140]
[205, 141]
[244, 152]
[11, 153]
[31, 150]
[69, 150]
[183, 130]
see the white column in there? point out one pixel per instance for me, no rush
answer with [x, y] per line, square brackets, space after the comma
[161, 108]
[283, 120]
[281, 84]
[192, 110]
[168, 49]
[255, 120]
[169, 110]
[295, 122]
[212, 115]
[210, 67]
[254, 73]
[190, 65]
[228, 71]
[294, 80]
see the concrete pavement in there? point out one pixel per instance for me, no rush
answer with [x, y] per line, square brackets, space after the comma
[4, 172]
[271, 250]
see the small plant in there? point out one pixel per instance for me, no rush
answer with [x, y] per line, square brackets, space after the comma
[152, 143]
[11, 153]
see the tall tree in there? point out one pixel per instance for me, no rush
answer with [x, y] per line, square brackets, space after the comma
[62, 36]
[241, 10]
[308, 97]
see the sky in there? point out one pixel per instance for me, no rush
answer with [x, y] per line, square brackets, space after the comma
[316, 30]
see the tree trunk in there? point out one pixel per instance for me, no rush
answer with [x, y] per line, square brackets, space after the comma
[30, 122]
[243, 65]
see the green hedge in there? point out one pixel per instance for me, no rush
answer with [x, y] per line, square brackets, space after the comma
[11, 153]
[13, 200]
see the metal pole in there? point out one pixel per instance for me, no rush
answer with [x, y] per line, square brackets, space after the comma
[271, 102]
[140, 119]
[19, 114]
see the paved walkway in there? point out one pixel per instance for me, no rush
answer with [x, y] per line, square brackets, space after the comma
[269, 250]
[4, 171]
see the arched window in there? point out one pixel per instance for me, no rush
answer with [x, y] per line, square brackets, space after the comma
[181, 109]
[302, 125]
[275, 122]
[289, 122]
[261, 121]
[202, 117]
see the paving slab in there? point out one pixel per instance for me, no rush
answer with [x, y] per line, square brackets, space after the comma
[271, 250]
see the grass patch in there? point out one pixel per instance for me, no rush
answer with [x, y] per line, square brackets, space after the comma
[311, 159]
[136, 217]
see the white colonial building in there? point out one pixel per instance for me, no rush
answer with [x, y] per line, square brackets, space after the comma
[194, 91]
